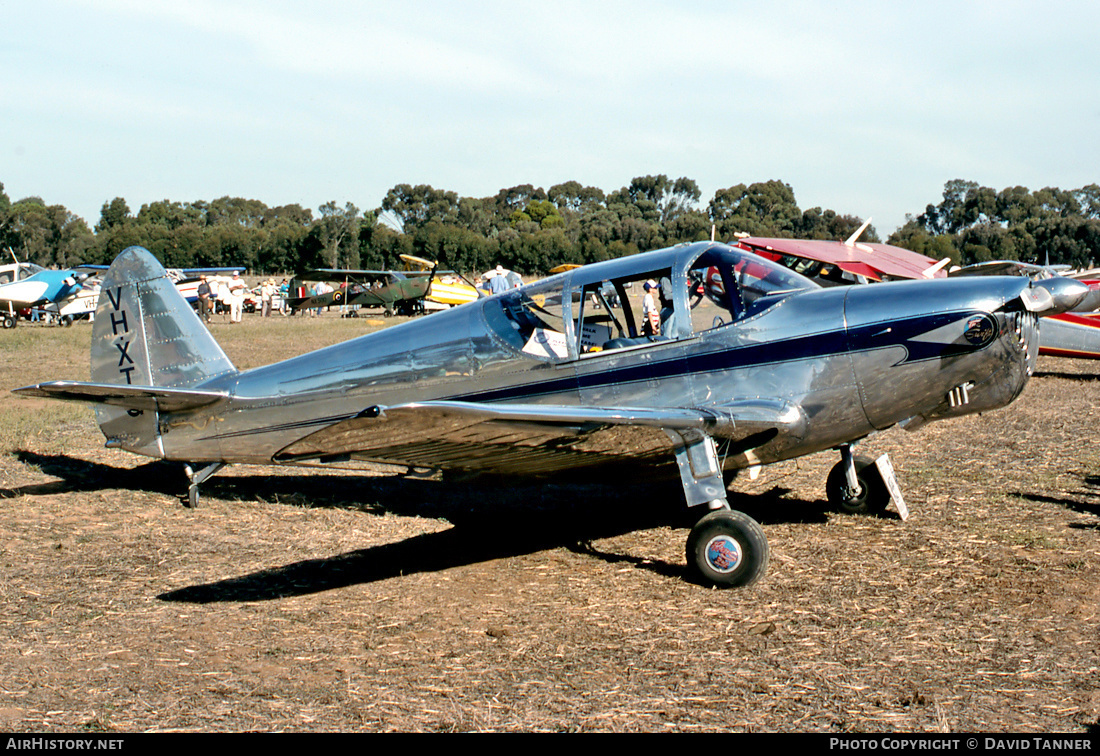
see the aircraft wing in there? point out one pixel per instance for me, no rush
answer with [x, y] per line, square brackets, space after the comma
[1008, 268]
[874, 261]
[533, 438]
[417, 262]
[330, 274]
[183, 274]
[130, 397]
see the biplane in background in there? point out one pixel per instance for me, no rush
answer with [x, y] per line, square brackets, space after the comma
[832, 263]
[397, 293]
[448, 288]
[760, 366]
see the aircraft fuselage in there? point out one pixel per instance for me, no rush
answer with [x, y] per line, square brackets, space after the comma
[851, 360]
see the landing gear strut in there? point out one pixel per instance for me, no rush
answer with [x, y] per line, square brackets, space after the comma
[196, 478]
[725, 549]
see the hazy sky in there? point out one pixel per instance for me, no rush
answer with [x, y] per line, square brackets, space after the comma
[866, 108]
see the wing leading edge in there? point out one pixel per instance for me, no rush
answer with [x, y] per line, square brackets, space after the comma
[533, 438]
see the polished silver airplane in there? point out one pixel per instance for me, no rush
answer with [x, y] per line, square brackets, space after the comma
[730, 362]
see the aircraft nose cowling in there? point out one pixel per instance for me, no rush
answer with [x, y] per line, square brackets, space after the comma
[1052, 296]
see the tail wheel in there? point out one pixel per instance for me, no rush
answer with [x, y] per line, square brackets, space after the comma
[872, 497]
[727, 549]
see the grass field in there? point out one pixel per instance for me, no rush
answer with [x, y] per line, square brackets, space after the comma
[309, 599]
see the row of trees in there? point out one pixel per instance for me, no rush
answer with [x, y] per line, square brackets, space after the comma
[531, 230]
[975, 224]
[525, 228]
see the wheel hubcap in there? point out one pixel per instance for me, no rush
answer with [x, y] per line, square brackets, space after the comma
[723, 554]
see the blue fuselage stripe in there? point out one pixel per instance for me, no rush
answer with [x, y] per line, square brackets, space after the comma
[814, 346]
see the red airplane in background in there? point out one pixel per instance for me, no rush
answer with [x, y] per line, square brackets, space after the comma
[832, 263]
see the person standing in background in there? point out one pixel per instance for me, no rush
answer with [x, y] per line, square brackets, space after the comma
[206, 302]
[236, 298]
[267, 293]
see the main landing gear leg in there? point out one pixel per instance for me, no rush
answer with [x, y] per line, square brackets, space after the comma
[196, 478]
[725, 548]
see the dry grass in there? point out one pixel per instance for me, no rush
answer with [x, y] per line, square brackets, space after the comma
[317, 600]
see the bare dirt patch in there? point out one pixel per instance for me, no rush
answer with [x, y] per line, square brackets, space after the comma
[305, 599]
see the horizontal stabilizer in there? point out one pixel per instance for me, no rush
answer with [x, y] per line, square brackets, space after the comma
[130, 397]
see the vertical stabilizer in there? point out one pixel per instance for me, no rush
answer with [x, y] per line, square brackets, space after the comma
[146, 334]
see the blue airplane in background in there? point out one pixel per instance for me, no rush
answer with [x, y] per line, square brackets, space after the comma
[24, 285]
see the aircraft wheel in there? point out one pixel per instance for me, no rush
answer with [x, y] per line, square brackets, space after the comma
[9, 322]
[727, 549]
[66, 321]
[872, 497]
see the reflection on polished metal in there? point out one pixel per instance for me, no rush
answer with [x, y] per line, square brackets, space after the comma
[750, 364]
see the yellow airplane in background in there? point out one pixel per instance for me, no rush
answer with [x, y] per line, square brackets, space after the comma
[447, 289]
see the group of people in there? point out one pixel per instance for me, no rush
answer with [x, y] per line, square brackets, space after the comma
[210, 292]
[232, 293]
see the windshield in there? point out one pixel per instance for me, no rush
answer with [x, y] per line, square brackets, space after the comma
[728, 284]
[531, 319]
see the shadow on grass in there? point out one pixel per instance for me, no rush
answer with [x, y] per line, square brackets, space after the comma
[532, 521]
[81, 475]
[1086, 501]
[1068, 376]
[491, 518]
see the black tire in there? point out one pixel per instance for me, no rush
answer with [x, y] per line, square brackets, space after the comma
[873, 496]
[9, 322]
[727, 549]
[66, 321]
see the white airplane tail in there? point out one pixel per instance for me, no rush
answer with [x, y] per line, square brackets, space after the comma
[146, 337]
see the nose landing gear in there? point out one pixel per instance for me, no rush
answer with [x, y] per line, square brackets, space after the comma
[858, 485]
